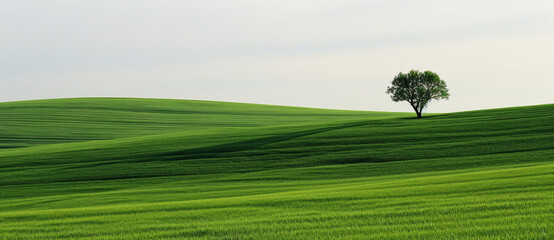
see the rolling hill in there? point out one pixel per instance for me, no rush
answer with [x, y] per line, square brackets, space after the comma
[115, 168]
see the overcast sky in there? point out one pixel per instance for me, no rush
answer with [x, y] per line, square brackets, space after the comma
[331, 54]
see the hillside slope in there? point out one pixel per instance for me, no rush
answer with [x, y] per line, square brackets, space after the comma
[302, 173]
[28, 123]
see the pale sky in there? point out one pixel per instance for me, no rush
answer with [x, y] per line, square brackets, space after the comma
[330, 54]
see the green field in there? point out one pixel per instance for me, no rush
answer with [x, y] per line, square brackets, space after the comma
[114, 168]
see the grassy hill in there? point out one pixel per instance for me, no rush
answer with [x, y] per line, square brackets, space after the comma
[29, 123]
[174, 169]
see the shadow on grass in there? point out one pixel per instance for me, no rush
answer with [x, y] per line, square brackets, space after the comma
[424, 117]
[214, 151]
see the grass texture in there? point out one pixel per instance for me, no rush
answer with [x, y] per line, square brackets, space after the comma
[114, 168]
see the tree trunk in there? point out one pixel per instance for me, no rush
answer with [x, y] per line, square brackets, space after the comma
[417, 111]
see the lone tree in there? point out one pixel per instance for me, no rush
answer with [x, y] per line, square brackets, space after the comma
[418, 88]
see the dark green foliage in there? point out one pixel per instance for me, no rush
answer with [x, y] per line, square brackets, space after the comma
[344, 175]
[418, 89]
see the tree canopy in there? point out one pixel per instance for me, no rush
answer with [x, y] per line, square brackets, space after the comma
[418, 89]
